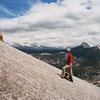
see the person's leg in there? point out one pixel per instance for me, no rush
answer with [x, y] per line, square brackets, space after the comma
[63, 71]
[69, 70]
[71, 73]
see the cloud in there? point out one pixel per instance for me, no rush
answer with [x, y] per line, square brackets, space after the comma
[55, 24]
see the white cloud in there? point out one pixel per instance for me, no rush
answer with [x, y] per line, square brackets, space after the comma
[56, 24]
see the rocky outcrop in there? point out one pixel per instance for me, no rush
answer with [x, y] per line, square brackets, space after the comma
[23, 77]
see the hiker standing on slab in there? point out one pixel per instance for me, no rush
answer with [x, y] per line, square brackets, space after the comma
[68, 66]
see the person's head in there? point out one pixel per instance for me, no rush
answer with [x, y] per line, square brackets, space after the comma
[68, 50]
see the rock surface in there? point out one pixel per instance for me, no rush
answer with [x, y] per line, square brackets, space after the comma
[23, 77]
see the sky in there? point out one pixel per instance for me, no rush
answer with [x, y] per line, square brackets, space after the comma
[14, 8]
[56, 23]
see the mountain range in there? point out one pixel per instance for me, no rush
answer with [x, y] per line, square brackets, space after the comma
[34, 47]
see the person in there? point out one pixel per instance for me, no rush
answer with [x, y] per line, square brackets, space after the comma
[68, 66]
[1, 37]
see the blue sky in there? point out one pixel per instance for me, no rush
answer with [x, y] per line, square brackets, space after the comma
[13, 8]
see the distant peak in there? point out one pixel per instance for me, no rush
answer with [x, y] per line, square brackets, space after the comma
[97, 47]
[85, 45]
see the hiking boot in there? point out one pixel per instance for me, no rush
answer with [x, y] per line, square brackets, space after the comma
[71, 79]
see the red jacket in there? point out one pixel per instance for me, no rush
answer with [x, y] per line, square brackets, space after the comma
[69, 58]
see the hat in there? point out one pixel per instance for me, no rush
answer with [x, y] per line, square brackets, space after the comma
[68, 49]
